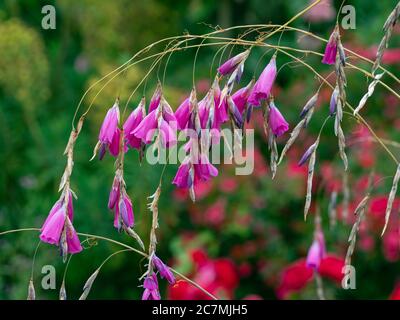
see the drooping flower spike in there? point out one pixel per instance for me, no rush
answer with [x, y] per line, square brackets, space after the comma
[58, 229]
[151, 291]
[331, 47]
[131, 124]
[262, 87]
[162, 119]
[276, 121]
[163, 269]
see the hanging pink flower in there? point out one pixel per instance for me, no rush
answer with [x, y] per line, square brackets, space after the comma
[150, 286]
[316, 252]
[164, 270]
[263, 86]
[276, 121]
[182, 114]
[331, 48]
[156, 98]
[131, 123]
[108, 136]
[59, 219]
[241, 96]
[123, 214]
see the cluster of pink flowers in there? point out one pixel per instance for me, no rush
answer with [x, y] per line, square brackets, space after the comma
[150, 284]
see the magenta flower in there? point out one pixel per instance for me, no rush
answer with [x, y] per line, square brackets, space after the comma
[164, 270]
[331, 48]
[263, 86]
[110, 124]
[150, 286]
[60, 217]
[276, 121]
[109, 131]
[241, 96]
[182, 114]
[53, 226]
[131, 123]
[204, 169]
[316, 252]
[124, 213]
[156, 98]
[73, 243]
[114, 194]
[146, 129]
[115, 143]
[190, 173]
[183, 178]
[230, 65]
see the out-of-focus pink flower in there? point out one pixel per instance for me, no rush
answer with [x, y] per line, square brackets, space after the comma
[215, 214]
[276, 121]
[331, 48]
[323, 11]
[263, 86]
[331, 267]
[217, 276]
[316, 252]
[395, 295]
[131, 124]
[391, 245]
[294, 278]
[228, 184]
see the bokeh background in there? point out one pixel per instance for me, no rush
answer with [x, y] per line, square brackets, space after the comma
[245, 236]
